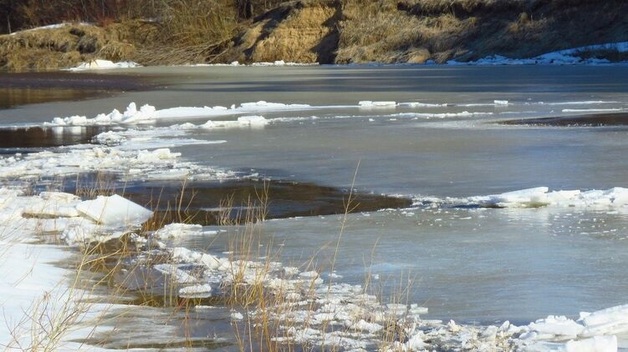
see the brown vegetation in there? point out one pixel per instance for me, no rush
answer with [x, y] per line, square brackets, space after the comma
[308, 31]
[46, 49]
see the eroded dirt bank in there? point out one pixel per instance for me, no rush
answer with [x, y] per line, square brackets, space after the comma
[349, 31]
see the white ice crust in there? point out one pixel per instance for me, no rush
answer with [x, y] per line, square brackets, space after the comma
[114, 210]
[147, 114]
[613, 198]
[100, 64]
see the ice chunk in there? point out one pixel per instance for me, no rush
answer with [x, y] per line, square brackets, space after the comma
[529, 197]
[109, 138]
[593, 344]
[556, 326]
[100, 64]
[365, 326]
[196, 291]
[77, 233]
[377, 104]
[178, 230]
[175, 274]
[185, 255]
[114, 210]
[253, 120]
[52, 204]
[416, 343]
[144, 114]
[607, 321]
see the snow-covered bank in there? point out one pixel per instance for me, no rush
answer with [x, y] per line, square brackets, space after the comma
[574, 56]
[42, 305]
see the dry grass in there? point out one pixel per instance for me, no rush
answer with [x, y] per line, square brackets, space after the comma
[69, 45]
[348, 31]
[441, 30]
[191, 32]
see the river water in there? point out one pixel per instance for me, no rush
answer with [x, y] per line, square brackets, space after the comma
[442, 139]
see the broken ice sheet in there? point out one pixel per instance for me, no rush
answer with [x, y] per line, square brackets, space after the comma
[114, 210]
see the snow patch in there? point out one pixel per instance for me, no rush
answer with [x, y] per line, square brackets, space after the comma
[561, 57]
[100, 64]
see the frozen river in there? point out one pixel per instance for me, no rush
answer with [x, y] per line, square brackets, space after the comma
[468, 264]
[434, 135]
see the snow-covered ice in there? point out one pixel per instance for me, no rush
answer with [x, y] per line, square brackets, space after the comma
[615, 198]
[560, 57]
[149, 114]
[100, 64]
[112, 210]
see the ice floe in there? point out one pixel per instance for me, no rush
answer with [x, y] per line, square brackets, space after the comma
[615, 198]
[149, 114]
[110, 210]
[100, 64]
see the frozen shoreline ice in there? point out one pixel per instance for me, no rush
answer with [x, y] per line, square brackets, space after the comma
[359, 317]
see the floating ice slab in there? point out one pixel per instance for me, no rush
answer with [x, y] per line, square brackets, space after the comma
[607, 321]
[613, 198]
[593, 344]
[114, 210]
[377, 104]
[149, 114]
[196, 291]
[176, 230]
[100, 64]
[523, 198]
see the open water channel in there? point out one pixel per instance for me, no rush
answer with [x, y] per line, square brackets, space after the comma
[441, 143]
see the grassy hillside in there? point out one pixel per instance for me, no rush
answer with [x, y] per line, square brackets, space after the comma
[154, 32]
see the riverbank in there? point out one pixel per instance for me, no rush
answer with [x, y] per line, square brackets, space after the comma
[336, 32]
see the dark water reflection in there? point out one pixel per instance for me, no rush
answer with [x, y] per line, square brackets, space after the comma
[605, 119]
[12, 97]
[18, 89]
[14, 140]
[205, 203]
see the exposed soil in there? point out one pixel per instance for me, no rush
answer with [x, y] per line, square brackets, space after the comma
[349, 31]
